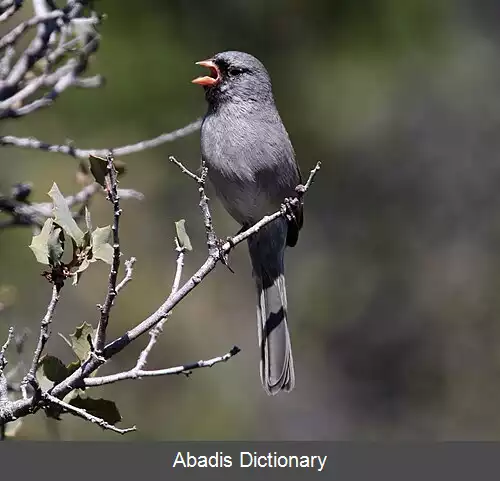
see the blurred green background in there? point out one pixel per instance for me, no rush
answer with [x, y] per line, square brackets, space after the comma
[394, 287]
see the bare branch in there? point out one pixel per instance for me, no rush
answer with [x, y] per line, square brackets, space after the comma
[5, 62]
[85, 415]
[157, 330]
[205, 209]
[114, 198]
[129, 270]
[74, 68]
[43, 337]
[14, 35]
[185, 170]
[9, 12]
[32, 143]
[139, 373]
[3, 361]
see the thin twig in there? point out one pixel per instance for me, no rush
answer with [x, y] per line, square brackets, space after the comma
[140, 373]
[43, 336]
[8, 13]
[114, 198]
[185, 170]
[75, 67]
[3, 361]
[15, 33]
[129, 270]
[205, 209]
[82, 413]
[32, 143]
[157, 330]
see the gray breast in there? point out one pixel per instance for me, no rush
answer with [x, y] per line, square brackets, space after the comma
[251, 164]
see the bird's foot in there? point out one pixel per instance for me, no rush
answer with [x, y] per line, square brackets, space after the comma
[223, 256]
[289, 208]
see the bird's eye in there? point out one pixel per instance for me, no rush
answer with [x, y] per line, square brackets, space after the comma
[234, 71]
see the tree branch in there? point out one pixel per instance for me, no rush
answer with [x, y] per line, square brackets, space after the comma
[157, 330]
[32, 143]
[116, 346]
[114, 198]
[129, 270]
[43, 336]
[140, 373]
[205, 209]
[80, 378]
[3, 360]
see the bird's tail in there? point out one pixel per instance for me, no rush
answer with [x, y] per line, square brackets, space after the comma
[267, 254]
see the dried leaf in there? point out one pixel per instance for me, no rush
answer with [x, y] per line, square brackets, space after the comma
[99, 169]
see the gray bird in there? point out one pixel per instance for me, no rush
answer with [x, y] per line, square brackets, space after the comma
[251, 163]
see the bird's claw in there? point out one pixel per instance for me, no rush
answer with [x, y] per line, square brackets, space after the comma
[288, 210]
[223, 256]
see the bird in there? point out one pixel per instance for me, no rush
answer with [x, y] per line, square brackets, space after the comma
[251, 164]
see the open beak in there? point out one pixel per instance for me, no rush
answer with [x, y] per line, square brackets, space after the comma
[208, 80]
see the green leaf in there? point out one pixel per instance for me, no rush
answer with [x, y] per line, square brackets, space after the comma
[56, 247]
[182, 237]
[102, 408]
[63, 216]
[101, 249]
[99, 169]
[73, 366]
[79, 340]
[54, 369]
[40, 243]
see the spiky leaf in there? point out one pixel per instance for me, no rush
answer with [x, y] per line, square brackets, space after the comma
[63, 216]
[40, 243]
[80, 340]
[102, 408]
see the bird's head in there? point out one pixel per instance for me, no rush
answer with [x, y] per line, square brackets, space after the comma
[235, 76]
